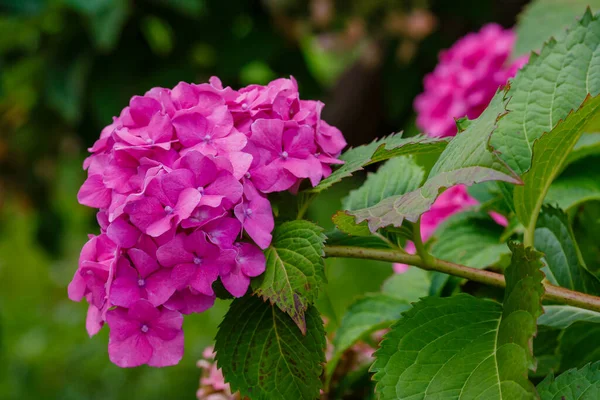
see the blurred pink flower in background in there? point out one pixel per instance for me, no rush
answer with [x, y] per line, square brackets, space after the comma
[466, 78]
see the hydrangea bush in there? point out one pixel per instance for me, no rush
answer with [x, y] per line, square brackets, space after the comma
[485, 207]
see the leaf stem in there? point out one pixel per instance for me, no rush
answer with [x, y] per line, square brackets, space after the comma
[552, 292]
[418, 241]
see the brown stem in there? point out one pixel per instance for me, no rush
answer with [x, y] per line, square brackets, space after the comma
[552, 292]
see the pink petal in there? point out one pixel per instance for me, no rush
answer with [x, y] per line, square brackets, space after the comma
[144, 263]
[143, 310]
[123, 233]
[175, 182]
[182, 274]
[223, 231]
[144, 212]
[121, 325]
[125, 291]
[93, 320]
[159, 287]
[235, 141]
[188, 201]
[168, 325]
[251, 260]
[174, 252]
[187, 302]
[93, 193]
[130, 352]
[159, 227]
[205, 275]
[166, 353]
[268, 133]
[141, 109]
[236, 282]
[191, 128]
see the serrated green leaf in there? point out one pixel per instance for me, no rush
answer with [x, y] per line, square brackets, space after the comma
[295, 269]
[263, 354]
[466, 160]
[347, 224]
[582, 384]
[380, 150]
[549, 154]
[576, 185]
[397, 176]
[542, 19]
[462, 347]
[547, 89]
[564, 264]
[409, 286]
[469, 238]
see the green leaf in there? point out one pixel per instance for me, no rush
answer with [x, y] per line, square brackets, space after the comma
[462, 347]
[576, 185]
[380, 150]
[542, 19]
[469, 238]
[579, 345]
[368, 314]
[583, 384]
[263, 354]
[409, 286]
[295, 269]
[565, 266]
[466, 160]
[561, 317]
[587, 145]
[546, 90]
[397, 176]
[549, 154]
[576, 330]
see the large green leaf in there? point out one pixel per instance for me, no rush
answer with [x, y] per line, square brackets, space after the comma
[469, 238]
[380, 150]
[564, 264]
[295, 269]
[263, 354]
[462, 347]
[582, 384]
[547, 89]
[577, 184]
[549, 154]
[542, 19]
[466, 160]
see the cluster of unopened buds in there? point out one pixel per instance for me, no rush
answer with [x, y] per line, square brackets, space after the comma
[181, 180]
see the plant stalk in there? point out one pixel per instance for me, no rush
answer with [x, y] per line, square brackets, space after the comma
[552, 292]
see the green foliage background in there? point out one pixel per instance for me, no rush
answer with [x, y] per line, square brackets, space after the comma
[68, 66]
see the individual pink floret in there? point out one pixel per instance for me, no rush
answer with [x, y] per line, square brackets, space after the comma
[144, 334]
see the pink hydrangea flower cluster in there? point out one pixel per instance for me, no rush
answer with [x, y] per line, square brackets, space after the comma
[466, 78]
[180, 179]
